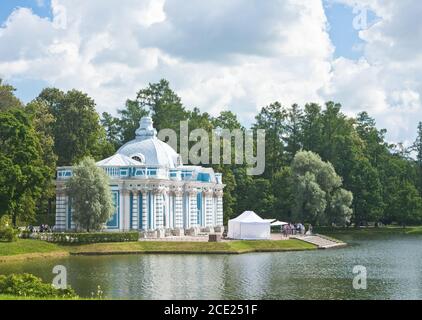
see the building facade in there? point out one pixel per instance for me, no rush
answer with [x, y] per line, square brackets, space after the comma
[151, 188]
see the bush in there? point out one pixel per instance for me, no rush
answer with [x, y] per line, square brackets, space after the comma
[25, 234]
[7, 232]
[94, 237]
[28, 285]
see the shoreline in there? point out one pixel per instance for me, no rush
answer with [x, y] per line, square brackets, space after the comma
[33, 256]
[139, 248]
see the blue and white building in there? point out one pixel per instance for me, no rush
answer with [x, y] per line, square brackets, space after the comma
[151, 188]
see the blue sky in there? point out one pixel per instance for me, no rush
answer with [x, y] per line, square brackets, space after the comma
[41, 8]
[218, 54]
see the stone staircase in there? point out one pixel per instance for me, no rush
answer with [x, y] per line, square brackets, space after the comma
[320, 241]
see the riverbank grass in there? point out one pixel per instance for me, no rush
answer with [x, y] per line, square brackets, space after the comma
[24, 249]
[29, 249]
[234, 247]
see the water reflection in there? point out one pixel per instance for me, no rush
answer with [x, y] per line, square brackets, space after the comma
[394, 272]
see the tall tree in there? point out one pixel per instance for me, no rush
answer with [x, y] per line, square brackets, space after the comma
[43, 122]
[238, 182]
[77, 130]
[113, 129]
[312, 128]
[417, 146]
[22, 171]
[319, 197]
[90, 194]
[283, 192]
[164, 104]
[8, 99]
[294, 133]
[272, 120]
[366, 187]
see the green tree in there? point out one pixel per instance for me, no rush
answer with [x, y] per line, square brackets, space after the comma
[23, 173]
[43, 122]
[129, 119]
[91, 196]
[164, 104]
[113, 130]
[312, 128]
[375, 146]
[407, 205]
[417, 146]
[8, 99]
[260, 197]
[238, 184]
[77, 130]
[294, 133]
[272, 120]
[310, 200]
[319, 197]
[284, 194]
[366, 187]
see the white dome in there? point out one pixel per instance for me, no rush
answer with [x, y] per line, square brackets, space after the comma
[154, 151]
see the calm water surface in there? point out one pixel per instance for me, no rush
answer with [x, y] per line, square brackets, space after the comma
[394, 266]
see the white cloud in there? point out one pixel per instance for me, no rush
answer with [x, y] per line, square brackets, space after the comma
[219, 54]
[388, 80]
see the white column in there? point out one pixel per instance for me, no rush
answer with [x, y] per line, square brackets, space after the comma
[209, 219]
[178, 209]
[159, 213]
[135, 210]
[144, 217]
[168, 213]
[219, 218]
[60, 211]
[125, 210]
[193, 208]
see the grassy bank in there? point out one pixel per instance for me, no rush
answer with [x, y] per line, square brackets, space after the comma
[9, 297]
[234, 247]
[29, 249]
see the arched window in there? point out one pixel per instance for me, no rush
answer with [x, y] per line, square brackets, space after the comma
[139, 157]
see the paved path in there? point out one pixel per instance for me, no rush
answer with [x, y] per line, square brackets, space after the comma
[320, 241]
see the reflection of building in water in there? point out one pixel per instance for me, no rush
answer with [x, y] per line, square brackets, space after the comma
[152, 188]
[174, 277]
[247, 276]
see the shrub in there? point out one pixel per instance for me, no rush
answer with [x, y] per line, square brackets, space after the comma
[94, 237]
[25, 234]
[7, 232]
[28, 285]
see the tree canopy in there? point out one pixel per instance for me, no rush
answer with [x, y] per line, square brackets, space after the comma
[321, 165]
[89, 191]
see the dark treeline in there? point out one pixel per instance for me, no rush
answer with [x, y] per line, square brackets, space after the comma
[60, 128]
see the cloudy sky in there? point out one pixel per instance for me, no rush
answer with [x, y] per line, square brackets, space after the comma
[218, 54]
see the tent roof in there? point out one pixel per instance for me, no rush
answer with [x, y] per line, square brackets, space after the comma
[278, 223]
[249, 217]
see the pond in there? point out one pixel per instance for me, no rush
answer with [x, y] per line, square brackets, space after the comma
[393, 264]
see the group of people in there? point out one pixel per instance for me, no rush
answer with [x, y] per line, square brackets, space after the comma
[295, 229]
[42, 228]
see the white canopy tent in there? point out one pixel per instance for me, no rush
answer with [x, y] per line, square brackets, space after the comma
[278, 224]
[249, 226]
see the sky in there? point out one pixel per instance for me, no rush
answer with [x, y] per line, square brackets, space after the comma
[237, 55]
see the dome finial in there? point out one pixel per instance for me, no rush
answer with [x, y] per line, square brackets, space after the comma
[146, 129]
